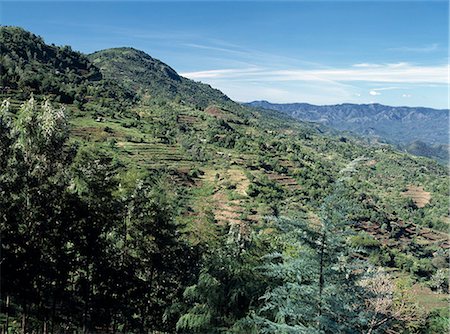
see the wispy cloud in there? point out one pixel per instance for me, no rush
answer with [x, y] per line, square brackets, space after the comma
[421, 49]
[215, 48]
[387, 88]
[385, 73]
[374, 93]
[223, 73]
[252, 56]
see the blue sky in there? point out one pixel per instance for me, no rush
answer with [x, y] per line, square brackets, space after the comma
[390, 52]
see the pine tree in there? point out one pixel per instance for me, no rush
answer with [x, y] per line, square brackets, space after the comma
[227, 287]
[314, 278]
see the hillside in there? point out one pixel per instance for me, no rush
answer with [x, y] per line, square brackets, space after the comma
[152, 78]
[439, 152]
[28, 65]
[115, 78]
[398, 125]
[156, 202]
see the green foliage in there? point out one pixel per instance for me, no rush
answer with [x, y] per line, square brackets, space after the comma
[29, 65]
[140, 72]
[68, 239]
[440, 280]
[314, 279]
[33, 182]
[364, 241]
[438, 322]
[228, 285]
[266, 191]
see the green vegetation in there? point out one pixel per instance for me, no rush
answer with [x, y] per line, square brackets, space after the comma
[155, 81]
[146, 202]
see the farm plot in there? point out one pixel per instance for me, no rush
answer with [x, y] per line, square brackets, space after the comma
[419, 196]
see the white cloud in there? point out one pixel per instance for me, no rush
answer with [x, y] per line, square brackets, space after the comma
[386, 88]
[364, 65]
[406, 95]
[223, 73]
[215, 48]
[387, 73]
[319, 85]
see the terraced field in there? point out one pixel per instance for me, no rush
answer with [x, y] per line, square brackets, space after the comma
[284, 180]
[403, 234]
[155, 155]
[419, 196]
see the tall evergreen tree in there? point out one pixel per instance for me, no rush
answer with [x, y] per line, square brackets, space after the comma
[227, 287]
[314, 277]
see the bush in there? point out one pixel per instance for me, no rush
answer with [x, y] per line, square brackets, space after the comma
[438, 322]
[364, 240]
[440, 281]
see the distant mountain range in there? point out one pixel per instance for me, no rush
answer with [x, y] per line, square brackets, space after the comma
[421, 131]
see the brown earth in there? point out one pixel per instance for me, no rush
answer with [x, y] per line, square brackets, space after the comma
[214, 111]
[284, 180]
[419, 196]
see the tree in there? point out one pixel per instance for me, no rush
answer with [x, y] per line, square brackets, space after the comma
[95, 212]
[33, 183]
[163, 262]
[227, 287]
[313, 280]
[389, 304]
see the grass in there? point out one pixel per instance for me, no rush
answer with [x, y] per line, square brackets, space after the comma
[428, 299]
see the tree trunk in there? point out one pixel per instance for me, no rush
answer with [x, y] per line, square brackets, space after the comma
[24, 319]
[114, 324]
[86, 312]
[7, 314]
[321, 278]
[52, 326]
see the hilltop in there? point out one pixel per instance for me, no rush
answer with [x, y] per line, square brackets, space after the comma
[145, 138]
[152, 78]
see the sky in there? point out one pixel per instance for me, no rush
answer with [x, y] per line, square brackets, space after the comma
[320, 52]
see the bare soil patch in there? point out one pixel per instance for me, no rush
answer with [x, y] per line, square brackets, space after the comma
[419, 196]
[214, 111]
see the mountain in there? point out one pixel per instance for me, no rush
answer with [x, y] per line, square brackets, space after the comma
[29, 65]
[400, 125]
[119, 77]
[152, 78]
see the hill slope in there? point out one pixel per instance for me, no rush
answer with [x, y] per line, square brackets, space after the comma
[29, 65]
[175, 123]
[152, 78]
[115, 78]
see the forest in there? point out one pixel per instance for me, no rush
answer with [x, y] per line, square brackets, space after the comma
[134, 200]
